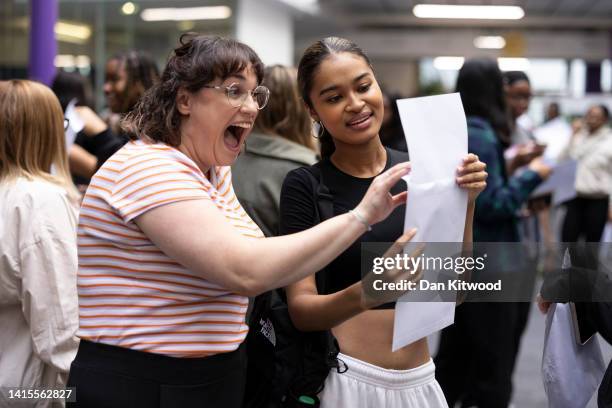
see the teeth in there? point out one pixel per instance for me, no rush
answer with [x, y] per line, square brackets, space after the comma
[244, 125]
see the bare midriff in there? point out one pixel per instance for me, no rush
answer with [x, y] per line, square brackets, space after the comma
[369, 336]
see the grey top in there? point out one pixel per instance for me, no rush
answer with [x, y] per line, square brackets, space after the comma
[258, 174]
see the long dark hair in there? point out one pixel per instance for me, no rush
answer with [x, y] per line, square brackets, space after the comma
[70, 85]
[141, 74]
[307, 70]
[198, 60]
[481, 86]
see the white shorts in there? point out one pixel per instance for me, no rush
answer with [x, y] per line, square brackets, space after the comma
[366, 385]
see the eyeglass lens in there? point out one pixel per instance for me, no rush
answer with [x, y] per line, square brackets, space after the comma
[238, 97]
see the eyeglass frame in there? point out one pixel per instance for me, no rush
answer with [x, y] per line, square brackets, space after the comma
[226, 90]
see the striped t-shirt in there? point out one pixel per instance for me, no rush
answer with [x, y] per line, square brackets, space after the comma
[130, 293]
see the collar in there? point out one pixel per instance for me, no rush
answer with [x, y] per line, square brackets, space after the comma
[278, 147]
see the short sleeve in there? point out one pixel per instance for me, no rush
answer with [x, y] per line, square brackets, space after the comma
[297, 205]
[142, 185]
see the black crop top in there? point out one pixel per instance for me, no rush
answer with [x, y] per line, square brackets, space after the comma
[298, 212]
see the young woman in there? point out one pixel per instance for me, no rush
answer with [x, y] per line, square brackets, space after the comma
[38, 215]
[167, 255]
[339, 87]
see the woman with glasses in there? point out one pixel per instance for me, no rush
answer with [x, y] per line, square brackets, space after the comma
[38, 257]
[167, 255]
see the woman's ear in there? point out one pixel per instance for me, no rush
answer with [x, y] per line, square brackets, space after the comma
[183, 101]
[313, 114]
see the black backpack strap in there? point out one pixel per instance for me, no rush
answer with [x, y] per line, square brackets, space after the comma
[321, 194]
[324, 207]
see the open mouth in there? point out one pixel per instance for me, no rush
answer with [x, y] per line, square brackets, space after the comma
[235, 134]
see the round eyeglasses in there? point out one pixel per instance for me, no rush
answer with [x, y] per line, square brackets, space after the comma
[237, 96]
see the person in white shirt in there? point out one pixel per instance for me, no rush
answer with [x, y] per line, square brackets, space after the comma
[591, 147]
[38, 256]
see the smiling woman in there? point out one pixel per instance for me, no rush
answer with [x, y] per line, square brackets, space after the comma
[339, 87]
[168, 256]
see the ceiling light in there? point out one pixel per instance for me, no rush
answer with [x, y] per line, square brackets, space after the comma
[186, 13]
[448, 63]
[513, 64]
[64, 61]
[468, 12]
[72, 32]
[308, 6]
[82, 61]
[490, 42]
[128, 8]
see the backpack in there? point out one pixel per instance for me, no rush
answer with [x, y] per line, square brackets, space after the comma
[287, 367]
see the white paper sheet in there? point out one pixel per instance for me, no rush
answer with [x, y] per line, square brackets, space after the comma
[561, 183]
[436, 135]
[571, 373]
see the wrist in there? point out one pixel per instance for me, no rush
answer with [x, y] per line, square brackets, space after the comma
[358, 215]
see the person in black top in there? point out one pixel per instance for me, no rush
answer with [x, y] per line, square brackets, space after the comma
[339, 87]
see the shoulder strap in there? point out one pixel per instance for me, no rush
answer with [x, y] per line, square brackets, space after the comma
[324, 208]
[321, 194]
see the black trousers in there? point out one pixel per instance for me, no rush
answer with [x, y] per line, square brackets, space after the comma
[107, 376]
[585, 218]
[477, 354]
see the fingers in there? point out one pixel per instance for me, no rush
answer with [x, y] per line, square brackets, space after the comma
[470, 158]
[473, 167]
[472, 178]
[481, 185]
[399, 199]
[390, 177]
[398, 245]
[543, 305]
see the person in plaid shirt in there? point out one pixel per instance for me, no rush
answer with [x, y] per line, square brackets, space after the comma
[477, 354]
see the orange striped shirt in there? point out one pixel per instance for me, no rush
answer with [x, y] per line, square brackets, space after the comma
[130, 293]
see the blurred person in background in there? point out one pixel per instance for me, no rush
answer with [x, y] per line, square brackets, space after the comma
[518, 95]
[38, 254]
[553, 111]
[591, 147]
[523, 148]
[74, 88]
[282, 140]
[477, 354]
[128, 76]
[168, 256]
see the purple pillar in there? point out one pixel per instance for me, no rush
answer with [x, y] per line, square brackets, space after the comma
[43, 46]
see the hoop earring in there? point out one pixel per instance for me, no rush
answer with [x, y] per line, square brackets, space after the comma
[321, 130]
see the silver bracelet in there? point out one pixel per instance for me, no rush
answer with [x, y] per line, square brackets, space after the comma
[360, 218]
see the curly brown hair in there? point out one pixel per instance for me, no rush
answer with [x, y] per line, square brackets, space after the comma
[197, 61]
